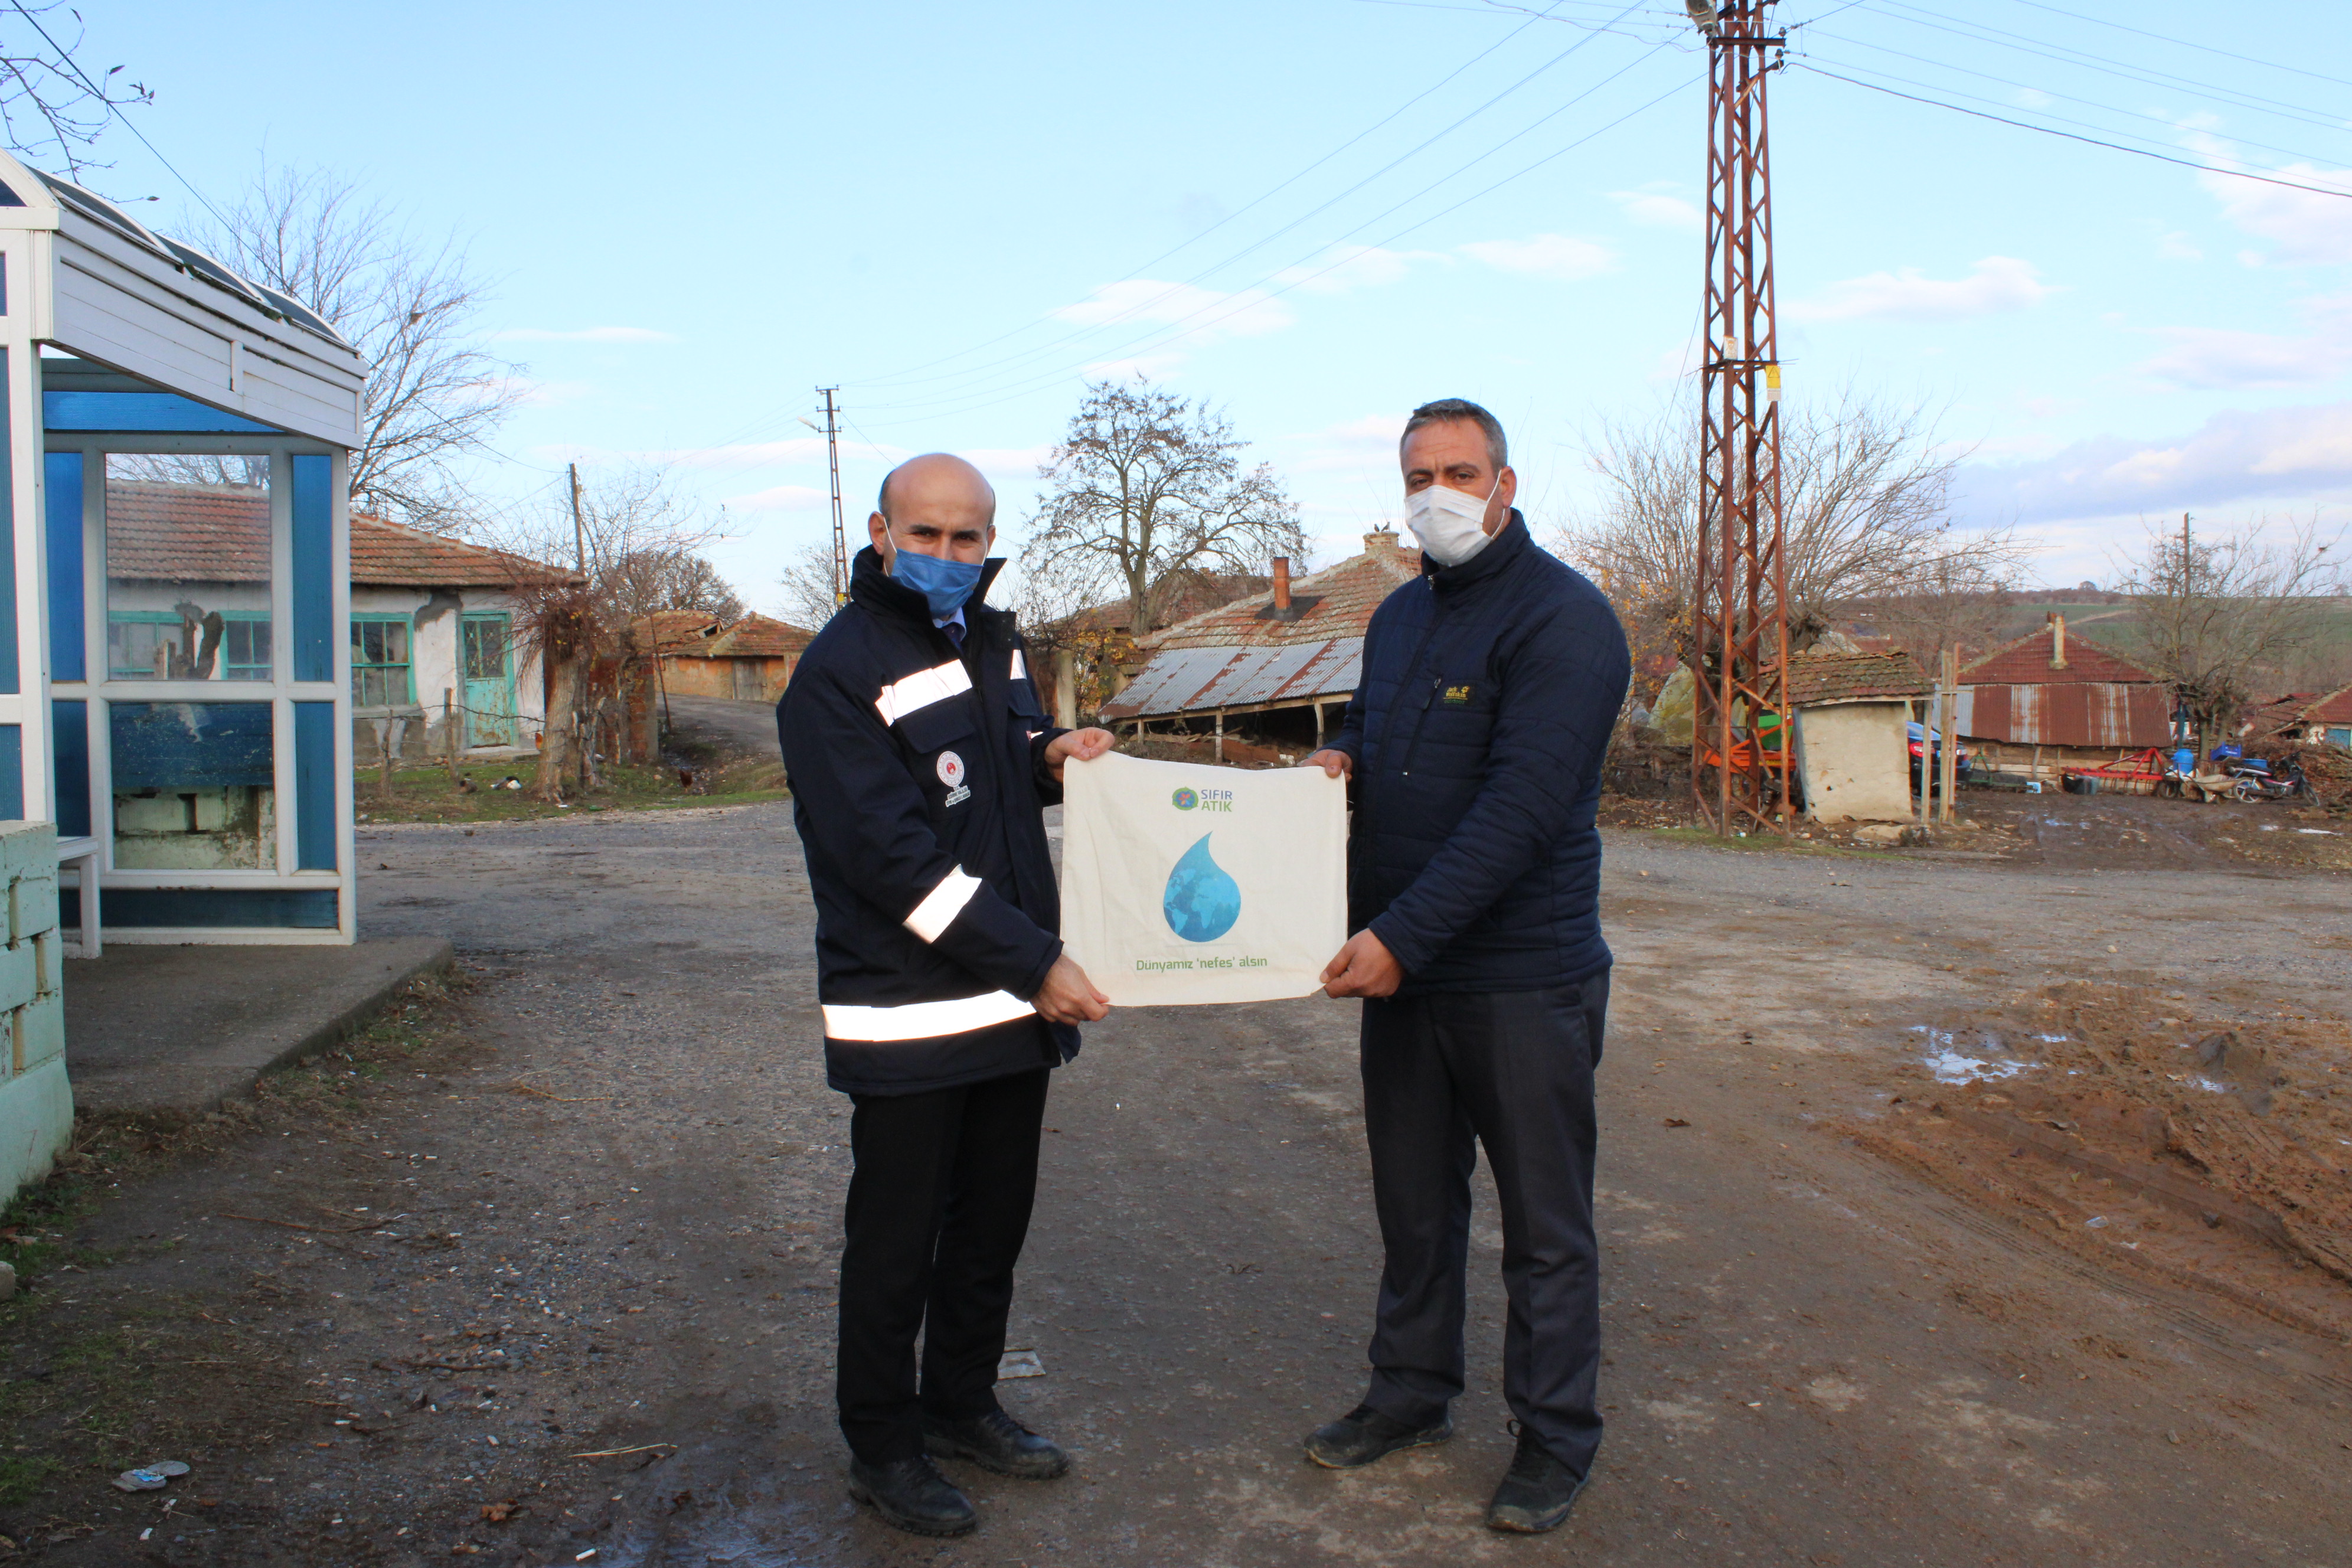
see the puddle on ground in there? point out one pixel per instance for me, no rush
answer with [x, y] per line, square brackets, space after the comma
[1952, 1064]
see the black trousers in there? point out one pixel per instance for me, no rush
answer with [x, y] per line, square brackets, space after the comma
[1512, 1070]
[938, 1206]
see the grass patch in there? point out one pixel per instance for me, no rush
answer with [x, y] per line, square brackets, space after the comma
[427, 793]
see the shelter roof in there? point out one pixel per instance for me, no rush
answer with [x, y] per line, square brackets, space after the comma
[1817, 679]
[1344, 596]
[2028, 661]
[2304, 708]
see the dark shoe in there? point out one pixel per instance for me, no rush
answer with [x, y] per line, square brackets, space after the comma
[994, 1441]
[1364, 1435]
[1538, 1492]
[912, 1495]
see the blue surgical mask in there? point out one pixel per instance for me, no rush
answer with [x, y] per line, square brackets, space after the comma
[944, 583]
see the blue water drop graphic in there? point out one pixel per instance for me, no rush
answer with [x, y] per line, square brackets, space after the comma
[1201, 902]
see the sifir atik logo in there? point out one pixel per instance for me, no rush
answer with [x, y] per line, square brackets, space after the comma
[1188, 799]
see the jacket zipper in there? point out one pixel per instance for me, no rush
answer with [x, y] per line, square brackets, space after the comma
[1419, 719]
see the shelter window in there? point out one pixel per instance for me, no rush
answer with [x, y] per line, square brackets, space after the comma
[380, 661]
[188, 567]
[195, 786]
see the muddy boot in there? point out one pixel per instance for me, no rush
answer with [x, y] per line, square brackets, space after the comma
[912, 1495]
[1364, 1435]
[994, 1441]
[1536, 1494]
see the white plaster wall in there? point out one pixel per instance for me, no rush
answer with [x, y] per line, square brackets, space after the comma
[433, 659]
[1854, 761]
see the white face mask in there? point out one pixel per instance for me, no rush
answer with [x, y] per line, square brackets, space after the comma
[1451, 526]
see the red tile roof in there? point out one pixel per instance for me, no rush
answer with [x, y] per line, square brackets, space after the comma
[187, 533]
[2026, 662]
[1345, 594]
[1816, 678]
[693, 634]
[220, 534]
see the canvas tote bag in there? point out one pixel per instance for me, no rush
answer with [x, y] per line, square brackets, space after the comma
[1183, 883]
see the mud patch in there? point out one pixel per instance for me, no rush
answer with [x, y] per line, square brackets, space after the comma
[2214, 1151]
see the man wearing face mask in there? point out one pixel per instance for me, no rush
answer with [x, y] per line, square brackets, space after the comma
[920, 763]
[1474, 742]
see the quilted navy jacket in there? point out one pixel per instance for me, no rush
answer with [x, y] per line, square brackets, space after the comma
[1477, 728]
[918, 782]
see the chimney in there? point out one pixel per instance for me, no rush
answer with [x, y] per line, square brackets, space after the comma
[2057, 640]
[1379, 541]
[1281, 583]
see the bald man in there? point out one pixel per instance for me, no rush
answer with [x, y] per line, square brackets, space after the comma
[921, 764]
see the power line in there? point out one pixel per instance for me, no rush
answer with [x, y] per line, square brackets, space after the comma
[2027, 87]
[999, 395]
[1134, 311]
[2183, 43]
[100, 93]
[894, 376]
[2071, 136]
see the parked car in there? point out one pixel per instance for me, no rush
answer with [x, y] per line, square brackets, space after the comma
[1922, 738]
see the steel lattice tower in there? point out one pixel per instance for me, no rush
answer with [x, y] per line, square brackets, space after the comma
[832, 464]
[1739, 633]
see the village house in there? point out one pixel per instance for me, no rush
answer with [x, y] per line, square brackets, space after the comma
[749, 660]
[2052, 700]
[2304, 718]
[1287, 659]
[1084, 660]
[434, 649]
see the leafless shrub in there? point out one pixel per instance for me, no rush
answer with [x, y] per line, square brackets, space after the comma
[50, 104]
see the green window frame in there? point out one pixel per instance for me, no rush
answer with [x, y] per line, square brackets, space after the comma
[384, 650]
[243, 650]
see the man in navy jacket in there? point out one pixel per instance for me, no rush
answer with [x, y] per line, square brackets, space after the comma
[1474, 742]
[920, 763]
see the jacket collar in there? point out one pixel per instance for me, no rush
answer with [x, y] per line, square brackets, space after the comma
[875, 589]
[1509, 543]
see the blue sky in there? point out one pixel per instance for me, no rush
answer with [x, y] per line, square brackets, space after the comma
[695, 213]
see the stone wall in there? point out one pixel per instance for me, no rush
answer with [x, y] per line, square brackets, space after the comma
[35, 1104]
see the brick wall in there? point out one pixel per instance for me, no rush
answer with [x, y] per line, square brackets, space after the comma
[35, 1104]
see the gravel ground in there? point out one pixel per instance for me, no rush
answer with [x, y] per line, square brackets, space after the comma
[1814, 1356]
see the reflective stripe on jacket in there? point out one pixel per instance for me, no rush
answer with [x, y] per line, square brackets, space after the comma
[919, 783]
[1477, 728]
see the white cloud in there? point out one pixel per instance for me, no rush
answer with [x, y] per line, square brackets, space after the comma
[583, 335]
[1207, 312]
[1651, 204]
[2208, 358]
[1996, 283]
[1347, 267]
[2243, 455]
[2178, 246]
[2305, 227]
[1008, 462]
[1349, 447]
[1559, 257]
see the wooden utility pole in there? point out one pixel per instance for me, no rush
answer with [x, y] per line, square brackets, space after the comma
[1948, 766]
[579, 533]
[1739, 632]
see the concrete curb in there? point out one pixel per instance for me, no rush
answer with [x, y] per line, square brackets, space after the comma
[138, 1043]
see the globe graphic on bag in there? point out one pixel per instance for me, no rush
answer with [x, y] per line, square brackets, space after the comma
[1201, 902]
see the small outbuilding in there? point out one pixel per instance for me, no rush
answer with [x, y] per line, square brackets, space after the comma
[2053, 700]
[749, 660]
[2307, 718]
[1852, 759]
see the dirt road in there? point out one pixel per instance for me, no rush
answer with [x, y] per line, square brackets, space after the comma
[1816, 1355]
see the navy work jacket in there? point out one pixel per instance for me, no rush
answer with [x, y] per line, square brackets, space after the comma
[1477, 730]
[919, 785]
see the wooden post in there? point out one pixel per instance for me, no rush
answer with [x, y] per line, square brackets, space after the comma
[1318, 726]
[1948, 770]
[1221, 734]
[449, 729]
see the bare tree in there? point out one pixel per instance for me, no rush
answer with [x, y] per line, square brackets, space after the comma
[1864, 489]
[49, 104]
[634, 535]
[1146, 493]
[2221, 618]
[679, 580]
[808, 586]
[409, 305]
